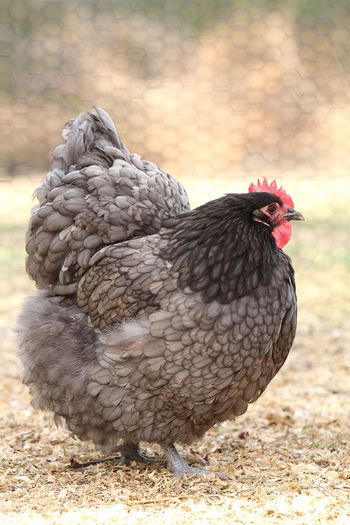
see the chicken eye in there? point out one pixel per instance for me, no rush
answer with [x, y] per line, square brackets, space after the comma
[272, 208]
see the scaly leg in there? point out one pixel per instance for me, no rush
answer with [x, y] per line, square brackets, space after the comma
[178, 466]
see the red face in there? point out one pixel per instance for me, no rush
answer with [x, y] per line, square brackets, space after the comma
[277, 216]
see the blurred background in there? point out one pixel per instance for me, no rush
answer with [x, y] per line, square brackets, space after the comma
[218, 93]
[206, 87]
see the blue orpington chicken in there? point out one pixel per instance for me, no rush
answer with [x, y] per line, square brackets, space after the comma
[152, 322]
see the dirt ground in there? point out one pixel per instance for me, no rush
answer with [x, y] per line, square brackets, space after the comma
[287, 458]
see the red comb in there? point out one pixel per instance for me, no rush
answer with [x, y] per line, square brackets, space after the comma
[272, 188]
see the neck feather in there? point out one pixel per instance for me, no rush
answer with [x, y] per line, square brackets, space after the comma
[222, 254]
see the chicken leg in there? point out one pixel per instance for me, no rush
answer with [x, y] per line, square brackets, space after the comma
[178, 466]
[130, 452]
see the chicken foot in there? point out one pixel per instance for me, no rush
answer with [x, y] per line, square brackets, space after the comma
[128, 452]
[180, 468]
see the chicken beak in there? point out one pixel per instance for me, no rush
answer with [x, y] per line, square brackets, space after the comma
[293, 215]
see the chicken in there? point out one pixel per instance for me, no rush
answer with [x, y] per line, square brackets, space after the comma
[153, 322]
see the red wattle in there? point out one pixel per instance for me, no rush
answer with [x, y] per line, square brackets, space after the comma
[282, 234]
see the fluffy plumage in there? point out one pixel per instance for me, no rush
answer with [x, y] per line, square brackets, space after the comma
[96, 194]
[155, 322]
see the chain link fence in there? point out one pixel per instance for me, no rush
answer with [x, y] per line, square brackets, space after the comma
[206, 88]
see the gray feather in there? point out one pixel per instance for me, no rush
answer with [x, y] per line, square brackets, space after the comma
[90, 197]
[152, 326]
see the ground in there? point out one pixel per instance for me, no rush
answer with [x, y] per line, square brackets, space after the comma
[287, 458]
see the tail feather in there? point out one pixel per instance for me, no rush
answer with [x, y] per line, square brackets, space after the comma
[96, 194]
[87, 136]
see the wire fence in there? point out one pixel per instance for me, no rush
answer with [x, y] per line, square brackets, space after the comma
[202, 87]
